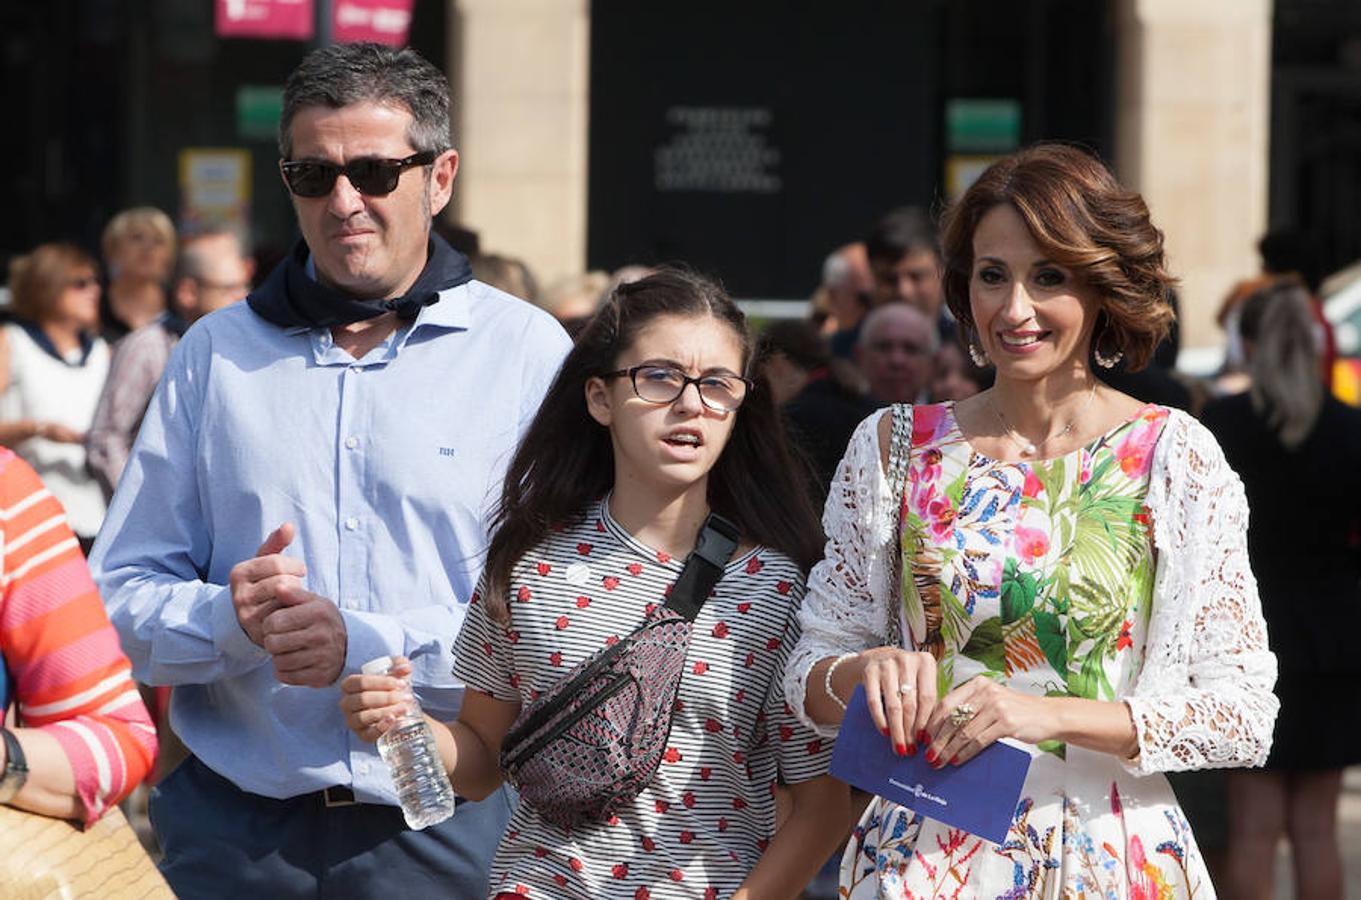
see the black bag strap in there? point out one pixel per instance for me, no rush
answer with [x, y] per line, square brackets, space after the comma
[718, 539]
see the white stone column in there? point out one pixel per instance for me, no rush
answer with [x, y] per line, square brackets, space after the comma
[520, 75]
[1192, 125]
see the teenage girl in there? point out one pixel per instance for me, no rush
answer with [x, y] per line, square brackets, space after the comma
[650, 425]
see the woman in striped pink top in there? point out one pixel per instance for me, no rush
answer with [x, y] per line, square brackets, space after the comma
[82, 731]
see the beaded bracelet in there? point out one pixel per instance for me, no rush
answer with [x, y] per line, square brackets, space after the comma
[827, 679]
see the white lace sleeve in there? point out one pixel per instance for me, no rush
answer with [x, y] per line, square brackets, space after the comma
[1203, 696]
[845, 609]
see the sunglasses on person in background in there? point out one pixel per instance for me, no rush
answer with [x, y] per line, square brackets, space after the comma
[370, 176]
[720, 392]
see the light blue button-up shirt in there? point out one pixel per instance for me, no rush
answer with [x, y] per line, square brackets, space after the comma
[388, 466]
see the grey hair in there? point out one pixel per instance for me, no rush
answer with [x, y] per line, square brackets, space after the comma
[344, 74]
[878, 313]
[196, 250]
[1287, 388]
[836, 270]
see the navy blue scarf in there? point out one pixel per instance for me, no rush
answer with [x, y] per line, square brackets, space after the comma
[45, 344]
[291, 298]
[173, 324]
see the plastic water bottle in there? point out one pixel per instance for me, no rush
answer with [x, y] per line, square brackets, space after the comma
[408, 747]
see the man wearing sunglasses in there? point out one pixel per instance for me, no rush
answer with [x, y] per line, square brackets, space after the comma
[310, 491]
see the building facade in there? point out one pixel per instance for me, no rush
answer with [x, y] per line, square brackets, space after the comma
[748, 139]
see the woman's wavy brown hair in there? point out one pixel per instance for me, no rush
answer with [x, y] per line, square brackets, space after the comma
[1084, 221]
[37, 279]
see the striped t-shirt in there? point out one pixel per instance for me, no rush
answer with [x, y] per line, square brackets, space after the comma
[709, 812]
[66, 668]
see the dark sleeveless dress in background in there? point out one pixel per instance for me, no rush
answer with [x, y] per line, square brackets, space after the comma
[1304, 541]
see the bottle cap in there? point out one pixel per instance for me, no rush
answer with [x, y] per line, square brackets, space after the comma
[379, 666]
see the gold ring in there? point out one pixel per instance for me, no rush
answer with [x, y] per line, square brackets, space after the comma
[962, 714]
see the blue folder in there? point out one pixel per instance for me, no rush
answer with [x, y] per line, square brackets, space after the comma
[979, 796]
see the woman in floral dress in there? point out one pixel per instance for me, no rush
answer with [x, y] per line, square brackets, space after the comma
[1049, 561]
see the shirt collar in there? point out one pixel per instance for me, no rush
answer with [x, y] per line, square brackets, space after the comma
[39, 337]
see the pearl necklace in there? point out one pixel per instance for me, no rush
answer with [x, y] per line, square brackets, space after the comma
[1029, 448]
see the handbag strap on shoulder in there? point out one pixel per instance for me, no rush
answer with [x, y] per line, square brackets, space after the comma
[899, 449]
[717, 542]
[899, 455]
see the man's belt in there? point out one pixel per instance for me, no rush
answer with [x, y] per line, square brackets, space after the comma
[337, 795]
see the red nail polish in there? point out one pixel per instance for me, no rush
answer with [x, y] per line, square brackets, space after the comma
[900, 749]
[931, 756]
[885, 731]
[911, 749]
[954, 760]
[923, 737]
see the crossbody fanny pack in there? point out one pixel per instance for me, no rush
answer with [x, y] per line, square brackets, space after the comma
[590, 743]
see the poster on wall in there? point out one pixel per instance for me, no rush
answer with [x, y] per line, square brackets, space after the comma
[215, 188]
[269, 19]
[381, 21]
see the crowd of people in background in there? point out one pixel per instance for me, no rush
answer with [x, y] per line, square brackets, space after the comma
[86, 341]
[85, 344]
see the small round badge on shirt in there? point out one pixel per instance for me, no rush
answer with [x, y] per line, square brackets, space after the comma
[578, 573]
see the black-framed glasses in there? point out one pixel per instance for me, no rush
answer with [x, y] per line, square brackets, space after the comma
[721, 392]
[370, 176]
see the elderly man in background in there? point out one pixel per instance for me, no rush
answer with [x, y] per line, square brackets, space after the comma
[212, 271]
[846, 283]
[895, 352]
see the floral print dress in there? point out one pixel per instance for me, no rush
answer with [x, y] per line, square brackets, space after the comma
[1040, 575]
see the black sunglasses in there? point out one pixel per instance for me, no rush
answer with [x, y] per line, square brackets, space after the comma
[370, 176]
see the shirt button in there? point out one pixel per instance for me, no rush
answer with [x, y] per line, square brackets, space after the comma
[363, 767]
[351, 442]
[351, 523]
[356, 368]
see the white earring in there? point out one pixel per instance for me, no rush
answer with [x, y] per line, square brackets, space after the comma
[980, 359]
[1104, 361]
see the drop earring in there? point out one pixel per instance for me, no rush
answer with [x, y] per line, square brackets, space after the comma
[1103, 360]
[980, 359]
[1107, 362]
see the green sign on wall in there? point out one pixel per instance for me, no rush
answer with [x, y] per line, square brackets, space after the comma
[982, 126]
[257, 111]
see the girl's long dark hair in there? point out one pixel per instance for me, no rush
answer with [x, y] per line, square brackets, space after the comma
[566, 460]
